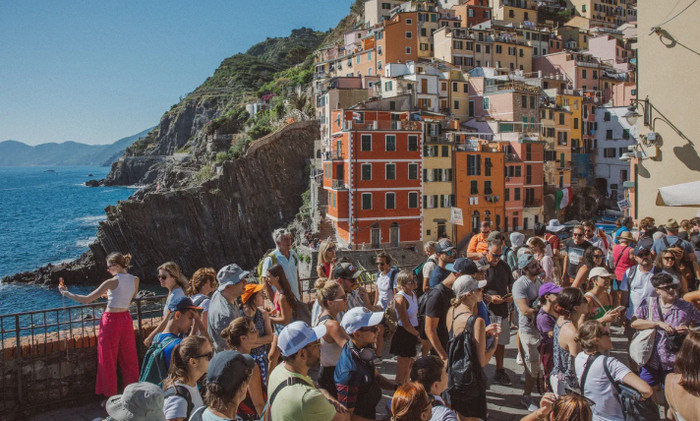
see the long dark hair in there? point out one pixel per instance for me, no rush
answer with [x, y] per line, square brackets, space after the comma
[278, 271]
[588, 259]
[567, 299]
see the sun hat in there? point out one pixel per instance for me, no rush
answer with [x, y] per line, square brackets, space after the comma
[229, 368]
[599, 271]
[554, 226]
[625, 235]
[525, 260]
[346, 270]
[672, 223]
[297, 335]
[181, 304]
[466, 284]
[444, 246]
[230, 275]
[139, 402]
[360, 317]
[549, 288]
[462, 265]
[250, 290]
[517, 239]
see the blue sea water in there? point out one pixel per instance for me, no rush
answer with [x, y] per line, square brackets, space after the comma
[48, 217]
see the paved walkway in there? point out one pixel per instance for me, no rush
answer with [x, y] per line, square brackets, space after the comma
[503, 401]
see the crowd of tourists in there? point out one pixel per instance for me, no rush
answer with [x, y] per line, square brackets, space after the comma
[233, 346]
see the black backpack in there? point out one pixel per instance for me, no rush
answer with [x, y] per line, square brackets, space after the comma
[466, 378]
[422, 304]
[177, 390]
[418, 275]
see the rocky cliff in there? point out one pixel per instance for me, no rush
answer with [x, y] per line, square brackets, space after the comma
[226, 219]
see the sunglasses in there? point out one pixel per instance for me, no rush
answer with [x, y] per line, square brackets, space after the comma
[598, 256]
[369, 329]
[669, 288]
[162, 277]
[577, 235]
[380, 263]
[208, 355]
[669, 258]
[330, 249]
[449, 253]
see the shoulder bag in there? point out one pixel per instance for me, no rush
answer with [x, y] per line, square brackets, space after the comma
[642, 345]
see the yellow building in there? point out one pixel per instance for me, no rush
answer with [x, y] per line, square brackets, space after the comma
[458, 93]
[614, 12]
[666, 79]
[438, 197]
[515, 10]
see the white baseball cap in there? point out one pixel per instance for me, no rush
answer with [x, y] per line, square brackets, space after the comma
[360, 317]
[297, 335]
[599, 271]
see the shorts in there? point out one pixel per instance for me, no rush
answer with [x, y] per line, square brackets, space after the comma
[403, 344]
[326, 380]
[504, 337]
[653, 376]
[531, 354]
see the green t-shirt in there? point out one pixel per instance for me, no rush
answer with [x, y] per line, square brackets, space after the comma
[298, 401]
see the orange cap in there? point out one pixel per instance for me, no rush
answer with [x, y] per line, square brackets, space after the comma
[250, 290]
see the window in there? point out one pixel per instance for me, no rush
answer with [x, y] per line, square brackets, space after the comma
[445, 151]
[621, 151]
[499, 49]
[609, 152]
[390, 200]
[357, 59]
[379, 50]
[625, 134]
[366, 201]
[386, 6]
[366, 142]
[471, 108]
[532, 102]
[390, 143]
[391, 171]
[379, 65]
[516, 196]
[583, 73]
[511, 13]
[561, 118]
[388, 86]
[523, 101]
[507, 195]
[423, 32]
[487, 187]
[608, 134]
[486, 103]
[412, 200]
[606, 116]
[465, 87]
[487, 167]
[562, 138]
[408, 50]
[487, 49]
[576, 123]
[369, 56]
[366, 172]
[413, 171]
[478, 47]
[473, 165]
[474, 187]
[595, 74]
[409, 34]
[412, 143]
[456, 105]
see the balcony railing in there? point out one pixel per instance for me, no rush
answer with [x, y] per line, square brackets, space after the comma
[533, 203]
[383, 125]
[338, 184]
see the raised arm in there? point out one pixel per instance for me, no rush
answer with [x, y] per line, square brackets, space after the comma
[95, 294]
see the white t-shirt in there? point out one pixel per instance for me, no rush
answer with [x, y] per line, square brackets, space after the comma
[176, 406]
[386, 292]
[598, 387]
[641, 289]
[204, 304]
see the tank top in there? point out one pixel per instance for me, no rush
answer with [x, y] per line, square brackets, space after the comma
[259, 322]
[600, 309]
[621, 260]
[330, 351]
[412, 309]
[562, 360]
[120, 297]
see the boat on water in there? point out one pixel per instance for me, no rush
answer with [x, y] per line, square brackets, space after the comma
[50, 171]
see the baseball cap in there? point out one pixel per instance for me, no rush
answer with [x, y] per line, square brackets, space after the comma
[463, 265]
[346, 270]
[139, 402]
[229, 368]
[230, 275]
[297, 335]
[360, 317]
[181, 304]
[466, 284]
[598, 271]
[549, 288]
[444, 246]
[250, 290]
[494, 235]
[525, 260]
[642, 248]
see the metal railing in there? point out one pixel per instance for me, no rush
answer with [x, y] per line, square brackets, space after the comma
[39, 349]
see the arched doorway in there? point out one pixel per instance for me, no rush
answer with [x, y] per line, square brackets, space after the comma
[476, 221]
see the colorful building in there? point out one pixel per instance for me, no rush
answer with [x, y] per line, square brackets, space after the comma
[438, 174]
[373, 178]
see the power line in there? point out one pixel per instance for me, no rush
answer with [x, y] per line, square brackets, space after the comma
[656, 27]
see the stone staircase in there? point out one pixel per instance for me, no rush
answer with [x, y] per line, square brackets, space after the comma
[326, 229]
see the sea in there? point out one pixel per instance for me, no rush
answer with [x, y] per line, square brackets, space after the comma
[48, 215]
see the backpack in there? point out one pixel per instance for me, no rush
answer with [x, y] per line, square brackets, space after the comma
[177, 390]
[633, 407]
[678, 242]
[418, 275]
[154, 370]
[199, 300]
[271, 254]
[466, 378]
[199, 412]
[266, 416]
[422, 305]
[391, 321]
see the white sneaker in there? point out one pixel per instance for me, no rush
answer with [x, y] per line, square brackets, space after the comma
[527, 403]
[519, 359]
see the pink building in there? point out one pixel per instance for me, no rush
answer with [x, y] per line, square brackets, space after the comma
[582, 71]
[612, 51]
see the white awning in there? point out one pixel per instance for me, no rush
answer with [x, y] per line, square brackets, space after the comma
[686, 194]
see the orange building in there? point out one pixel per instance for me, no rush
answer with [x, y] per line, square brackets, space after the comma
[524, 183]
[397, 40]
[473, 12]
[479, 184]
[373, 178]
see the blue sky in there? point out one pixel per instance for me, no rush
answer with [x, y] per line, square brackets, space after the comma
[96, 71]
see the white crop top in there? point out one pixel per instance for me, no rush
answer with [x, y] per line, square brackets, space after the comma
[120, 297]
[412, 309]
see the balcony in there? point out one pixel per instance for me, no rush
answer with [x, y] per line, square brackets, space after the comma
[338, 184]
[402, 125]
[512, 157]
[533, 203]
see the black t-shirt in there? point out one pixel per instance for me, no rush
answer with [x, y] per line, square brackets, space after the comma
[574, 253]
[499, 279]
[437, 306]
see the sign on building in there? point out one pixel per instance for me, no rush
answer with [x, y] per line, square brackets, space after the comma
[624, 204]
[456, 216]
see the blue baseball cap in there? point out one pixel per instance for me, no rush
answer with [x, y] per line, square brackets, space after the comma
[463, 265]
[297, 335]
[182, 304]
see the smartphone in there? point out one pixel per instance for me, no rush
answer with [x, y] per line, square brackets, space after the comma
[619, 308]
[61, 283]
